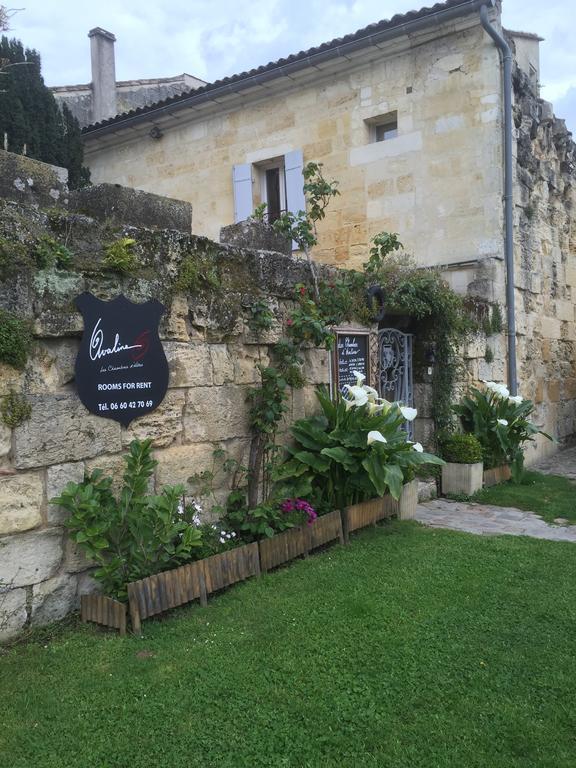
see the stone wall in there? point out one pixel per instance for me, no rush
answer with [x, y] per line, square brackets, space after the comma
[212, 355]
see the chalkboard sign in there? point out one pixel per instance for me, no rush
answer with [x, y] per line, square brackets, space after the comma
[351, 353]
[121, 368]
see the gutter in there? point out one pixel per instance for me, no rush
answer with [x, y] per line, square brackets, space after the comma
[506, 54]
[284, 70]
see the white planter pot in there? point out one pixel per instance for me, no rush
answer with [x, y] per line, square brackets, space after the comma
[408, 501]
[462, 478]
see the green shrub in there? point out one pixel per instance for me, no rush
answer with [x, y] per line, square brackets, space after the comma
[135, 534]
[15, 409]
[460, 448]
[15, 340]
[261, 317]
[49, 253]
[120, 256]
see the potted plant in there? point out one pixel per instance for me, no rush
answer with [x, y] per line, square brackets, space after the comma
[501, 423]
[354, 456]
[463, 471]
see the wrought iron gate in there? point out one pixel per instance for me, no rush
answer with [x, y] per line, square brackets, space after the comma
[395, 368]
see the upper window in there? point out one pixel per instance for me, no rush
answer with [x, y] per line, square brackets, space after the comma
[273, 188]
[383, 127]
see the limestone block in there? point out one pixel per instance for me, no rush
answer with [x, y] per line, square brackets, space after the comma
[10, 379]
[462, 478]
[60, 430]
[222, 364]
[551, 328]
[178, 464]
[20, 502]
[74, 558]
[175, 326]
[32, 182]
[28, 558]
[571, 274]
[565, 310]
[216, 413]
[162, 425]
[190, 364]
[423, 400]
[51, 366]
[245, 360]
[476, 347]
[5, 440]
[87, 585]
[317, 366]
[58, 477]
[13, 613]
[53, 599]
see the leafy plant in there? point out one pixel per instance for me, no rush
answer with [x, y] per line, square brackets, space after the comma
[15, 409]
[120, 256]
[501, 424]
[287, 357]
[307, 323]
[269, 518]
[353, 451]
[15, 340]
[197, 271]
[261, 317]
[259, 213]
[49, 253]
[460, 448]
[134, 535]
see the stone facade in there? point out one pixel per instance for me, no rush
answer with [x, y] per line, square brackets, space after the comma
[212, 354]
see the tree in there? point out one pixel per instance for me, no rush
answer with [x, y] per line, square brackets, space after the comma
[31, 122]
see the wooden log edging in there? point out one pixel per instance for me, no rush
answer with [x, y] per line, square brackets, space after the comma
[104, 610]
[169, 589]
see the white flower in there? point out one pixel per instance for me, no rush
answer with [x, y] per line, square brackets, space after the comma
[376, 437]
[515, 399]
[503, 422]
[408, 413]
[359, 396]
[498, 389]
[418, 447]
[222, 540]
[359, 378]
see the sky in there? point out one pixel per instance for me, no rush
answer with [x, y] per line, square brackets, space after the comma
[218, 38]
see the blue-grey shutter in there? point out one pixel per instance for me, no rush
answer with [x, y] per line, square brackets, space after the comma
[242, 180]
[293, 167]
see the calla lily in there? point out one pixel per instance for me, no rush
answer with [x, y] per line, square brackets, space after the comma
[498, 389]
[408, 413]
[516, 399]
[503, 422]
[376, 437]
[418, 447]
[375, 408]
[359, 378]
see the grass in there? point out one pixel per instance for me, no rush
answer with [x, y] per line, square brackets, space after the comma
[549, 496]
[412, 648]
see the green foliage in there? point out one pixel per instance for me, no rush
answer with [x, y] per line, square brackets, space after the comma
[287, 357]
[198, 271]
[120, 257]
[333, 462]
[49, 253]
[488, 354]
[307, 324]
[30, 116]
[261, 317]
[134, 535]
[267, 401]
[383, 244]
[460, 448]
[497, 322]
[13, 255]
[263, 521]
[259, 213]
[15, 340]
[15, 409]
[501, 424]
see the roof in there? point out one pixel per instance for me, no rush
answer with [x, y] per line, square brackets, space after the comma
[366, 36]
[527, 35]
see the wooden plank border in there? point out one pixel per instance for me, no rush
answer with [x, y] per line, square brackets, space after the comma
[104, 610]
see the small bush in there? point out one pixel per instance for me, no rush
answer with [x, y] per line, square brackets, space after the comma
[261, 317]
[460, 448]
[15, 409]
[120, 256]
[15, 340]
[49, 253]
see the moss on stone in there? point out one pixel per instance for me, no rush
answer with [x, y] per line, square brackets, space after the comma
[15, 340]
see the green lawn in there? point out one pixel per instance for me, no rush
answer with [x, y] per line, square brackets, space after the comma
[411, 648]
[549, 496]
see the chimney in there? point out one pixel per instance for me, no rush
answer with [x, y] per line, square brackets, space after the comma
[103, 74]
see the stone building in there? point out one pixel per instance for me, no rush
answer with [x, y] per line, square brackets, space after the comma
[106, 97]
[408, 114]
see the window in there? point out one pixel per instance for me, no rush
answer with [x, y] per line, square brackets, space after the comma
[383, 127]
[278, 182]
[272, 178]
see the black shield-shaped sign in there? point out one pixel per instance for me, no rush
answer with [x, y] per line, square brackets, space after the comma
[121, 368]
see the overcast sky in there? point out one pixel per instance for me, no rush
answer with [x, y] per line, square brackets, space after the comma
[223, 37]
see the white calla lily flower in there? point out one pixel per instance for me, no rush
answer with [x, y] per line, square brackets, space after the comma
[516, 399]
[498, 389]
[418, 447]
[502, 422]
[408, 413]
[359, 378]
[376, 437]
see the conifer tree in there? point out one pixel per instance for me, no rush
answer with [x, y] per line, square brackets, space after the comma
[31, 121]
